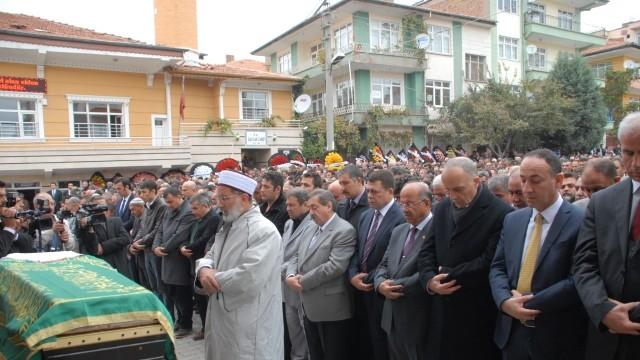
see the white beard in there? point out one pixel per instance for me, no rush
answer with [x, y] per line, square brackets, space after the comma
[233, 214]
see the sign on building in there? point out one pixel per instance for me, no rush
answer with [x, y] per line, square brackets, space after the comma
[12, 83]
[255, 138]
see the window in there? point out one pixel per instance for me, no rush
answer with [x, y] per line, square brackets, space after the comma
[18, 118]
[536, 13]
[384, 35]
[510, 6]
[475, 67]
[317, 104]
[565, 20]
[317, 54]
[343, 38]
[386, 92]
[343, 94]
[437, 93]
[440, 39]
[600, 70]
[284, 63]
[508, 48]
[98, 119]
[538, 60]
[255, 105]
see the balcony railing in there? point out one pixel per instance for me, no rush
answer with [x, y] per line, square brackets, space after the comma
[390, 110]
[197, 129]
[565, 23]
[79, 143]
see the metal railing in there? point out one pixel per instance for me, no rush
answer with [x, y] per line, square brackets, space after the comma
[359, 108]
[197, 128]
[92, 144]
[563, 22]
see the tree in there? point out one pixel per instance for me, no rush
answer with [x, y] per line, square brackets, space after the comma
[616, 85]
[346, 134]
[588, 117]
[505, 118]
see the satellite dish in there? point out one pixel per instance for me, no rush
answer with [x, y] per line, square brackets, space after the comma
[630, 64]
[531, 49]
[302, 103]
[423, 41]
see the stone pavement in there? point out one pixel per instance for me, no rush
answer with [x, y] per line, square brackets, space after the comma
[186, 348]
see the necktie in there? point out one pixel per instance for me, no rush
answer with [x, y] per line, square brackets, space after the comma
[315, 237]
[408, 245]
[122, 205]
[635, 228]
[368, 246]
[529, 263]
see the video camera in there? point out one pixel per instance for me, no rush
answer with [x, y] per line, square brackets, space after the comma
[12, 199]
[93, 213]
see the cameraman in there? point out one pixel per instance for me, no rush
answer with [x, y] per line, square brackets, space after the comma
[6, 238]
[104, 237]
[48, 231]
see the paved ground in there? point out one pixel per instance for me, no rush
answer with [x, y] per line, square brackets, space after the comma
[186, 348]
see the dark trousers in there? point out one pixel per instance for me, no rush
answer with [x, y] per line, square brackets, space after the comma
[363, 349]
[328, 340]
[518, 346]
[201, 304]
[287, 340]
[182, 297]
[373, 304]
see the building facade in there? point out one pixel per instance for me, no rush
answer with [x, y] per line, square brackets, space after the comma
[74, 102]
[382, 71]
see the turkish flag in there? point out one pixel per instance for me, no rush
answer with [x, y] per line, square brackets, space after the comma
[182, 106]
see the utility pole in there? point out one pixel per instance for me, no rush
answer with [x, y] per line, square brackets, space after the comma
[329, 87]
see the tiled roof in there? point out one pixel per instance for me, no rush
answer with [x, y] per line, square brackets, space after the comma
[34, 25]
[611, 44]
[247, 69]
[473, 8]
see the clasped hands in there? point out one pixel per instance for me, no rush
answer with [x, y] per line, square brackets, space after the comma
[207, 277]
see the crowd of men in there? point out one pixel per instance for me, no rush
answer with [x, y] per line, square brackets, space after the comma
[529, 258]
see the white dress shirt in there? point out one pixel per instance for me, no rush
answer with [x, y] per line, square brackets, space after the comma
[548, 215]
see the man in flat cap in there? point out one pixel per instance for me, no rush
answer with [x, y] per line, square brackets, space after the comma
[241, 275]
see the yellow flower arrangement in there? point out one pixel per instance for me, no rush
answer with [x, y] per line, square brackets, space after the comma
[333, 161]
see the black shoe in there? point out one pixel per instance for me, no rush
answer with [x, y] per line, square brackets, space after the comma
[176, 326]
[182, 333]
[198, 336]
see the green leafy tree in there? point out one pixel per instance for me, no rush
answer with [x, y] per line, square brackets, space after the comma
[588, 116]
[505, 118]
[346, 137]
[616, 85]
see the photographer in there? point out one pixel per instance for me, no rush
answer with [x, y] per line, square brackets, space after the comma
[6, 238]
[103, 237]
[49, 232]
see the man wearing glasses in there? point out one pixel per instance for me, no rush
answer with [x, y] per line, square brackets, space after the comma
[598, 174]
[531, 283]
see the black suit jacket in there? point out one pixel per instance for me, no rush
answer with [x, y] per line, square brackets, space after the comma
[6, 242]
[393, 218]
[114, 244]
[58, 198]
[125, 215]
[462, 323]
[600, 262]
[560, 328]
[206, 232]
[352, 215]
[277, 214]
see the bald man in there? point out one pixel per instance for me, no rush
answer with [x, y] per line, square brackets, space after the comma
[336, 190]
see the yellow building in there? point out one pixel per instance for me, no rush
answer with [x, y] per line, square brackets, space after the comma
[74, 102]
[621, 52]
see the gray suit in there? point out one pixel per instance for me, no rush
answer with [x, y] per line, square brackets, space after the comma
[326, 297]
[172, 234]
[405, 319]
[292, 307]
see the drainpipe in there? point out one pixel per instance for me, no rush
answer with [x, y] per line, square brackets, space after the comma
[221, 101]
[167, 92]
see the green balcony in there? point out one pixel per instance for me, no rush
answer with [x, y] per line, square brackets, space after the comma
[394, 115]
[561, 31]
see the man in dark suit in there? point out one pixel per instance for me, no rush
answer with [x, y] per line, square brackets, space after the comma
[607, 258]
[317, 273]
[56, 194]
[274, 206]
[542, 317]
[355, 203]
[123, 187]
[404, 316]
[373, 231]
[454, 265]
[175, 271]
[202, 232]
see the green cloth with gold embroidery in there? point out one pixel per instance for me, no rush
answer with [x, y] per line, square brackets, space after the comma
[39, 301]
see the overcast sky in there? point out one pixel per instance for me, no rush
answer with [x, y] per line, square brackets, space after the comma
[229, 26]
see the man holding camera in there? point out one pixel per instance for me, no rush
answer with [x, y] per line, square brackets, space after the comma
[104, 237]
[48, 231]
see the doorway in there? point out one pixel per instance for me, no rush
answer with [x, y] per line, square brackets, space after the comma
[161, 130]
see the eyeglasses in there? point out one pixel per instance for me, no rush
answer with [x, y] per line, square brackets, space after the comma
[410, 204]
[225, 198]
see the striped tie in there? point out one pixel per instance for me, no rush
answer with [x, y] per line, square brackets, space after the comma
[529, 263]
